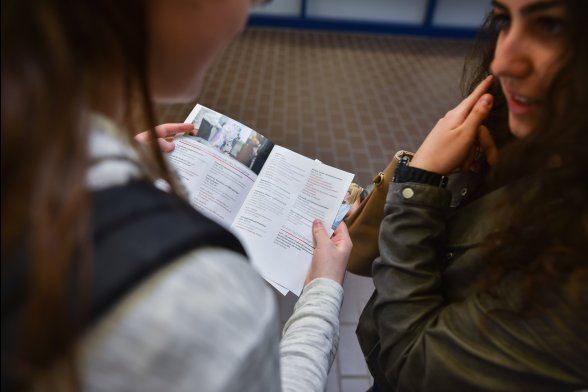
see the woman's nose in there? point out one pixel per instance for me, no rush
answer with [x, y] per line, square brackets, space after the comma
[510, 56]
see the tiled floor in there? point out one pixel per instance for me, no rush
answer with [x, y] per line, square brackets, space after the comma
[349, 100]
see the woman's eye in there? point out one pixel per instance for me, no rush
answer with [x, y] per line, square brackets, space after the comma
[500, 22]
[550, 25]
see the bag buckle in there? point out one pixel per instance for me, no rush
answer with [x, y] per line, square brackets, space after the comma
[378, 179]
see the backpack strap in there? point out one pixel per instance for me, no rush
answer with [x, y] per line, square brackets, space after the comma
[138, 228]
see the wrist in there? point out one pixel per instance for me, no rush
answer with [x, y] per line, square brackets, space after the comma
[419, 163]
[408, 173]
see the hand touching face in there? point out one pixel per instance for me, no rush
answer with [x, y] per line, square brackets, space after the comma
[451, 144]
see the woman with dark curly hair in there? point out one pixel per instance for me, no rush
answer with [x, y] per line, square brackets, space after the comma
[482, 285]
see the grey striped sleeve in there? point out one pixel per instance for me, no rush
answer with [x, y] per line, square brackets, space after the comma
[311, 337]
[208, 322]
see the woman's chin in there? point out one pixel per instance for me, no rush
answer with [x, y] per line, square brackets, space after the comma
[520, 127]
[178, 93]
[174, 97]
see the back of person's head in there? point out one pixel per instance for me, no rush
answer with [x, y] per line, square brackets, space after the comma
[56, 57]
[63, 63]
[546, 237]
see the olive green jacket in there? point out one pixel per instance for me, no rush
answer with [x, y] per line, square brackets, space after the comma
[426, 328]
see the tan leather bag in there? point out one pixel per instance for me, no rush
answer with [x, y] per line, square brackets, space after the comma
[364, 222]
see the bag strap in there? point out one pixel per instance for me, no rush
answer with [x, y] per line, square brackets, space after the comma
[364, 222]
[138, 229]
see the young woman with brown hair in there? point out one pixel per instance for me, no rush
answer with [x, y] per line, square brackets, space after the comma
[109, 283]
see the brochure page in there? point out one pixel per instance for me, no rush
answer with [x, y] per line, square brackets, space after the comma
[275, 222]
[265, 194]
[217, 184]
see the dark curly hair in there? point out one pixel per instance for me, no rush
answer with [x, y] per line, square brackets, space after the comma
[546, 239]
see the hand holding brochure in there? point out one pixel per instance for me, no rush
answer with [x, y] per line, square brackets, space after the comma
[265, 194]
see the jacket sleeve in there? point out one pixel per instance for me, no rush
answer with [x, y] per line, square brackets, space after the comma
[427, 343]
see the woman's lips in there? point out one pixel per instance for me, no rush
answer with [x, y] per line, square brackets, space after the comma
[522, 105]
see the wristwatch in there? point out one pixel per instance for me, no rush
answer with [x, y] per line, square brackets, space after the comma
[406, 173]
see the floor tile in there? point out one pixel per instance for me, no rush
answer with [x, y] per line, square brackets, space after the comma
[361, 384]
[333, 378]
[358, 290]
[310, 91]
[351, 361]
[350, 100]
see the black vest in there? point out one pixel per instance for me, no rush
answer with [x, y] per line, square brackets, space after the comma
[137, 229]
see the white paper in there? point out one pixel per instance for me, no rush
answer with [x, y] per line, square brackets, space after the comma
[275, 222]
[271, 212]
[217, 184]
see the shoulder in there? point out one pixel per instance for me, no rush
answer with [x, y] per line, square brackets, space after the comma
[195, 321]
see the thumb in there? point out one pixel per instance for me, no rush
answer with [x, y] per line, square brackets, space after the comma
[171, 129]
[319, 234]
[487, 144]
[341, 230]
[143, 137]
[479, 112]
[165, 145]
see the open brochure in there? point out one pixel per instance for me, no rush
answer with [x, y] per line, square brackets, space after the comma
[265, 194]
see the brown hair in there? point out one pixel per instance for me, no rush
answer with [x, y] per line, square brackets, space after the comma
[545, 241]
[54, 55]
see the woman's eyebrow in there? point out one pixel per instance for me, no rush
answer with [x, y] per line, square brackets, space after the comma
[541, 6]
[531, 8]
[499, 5]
